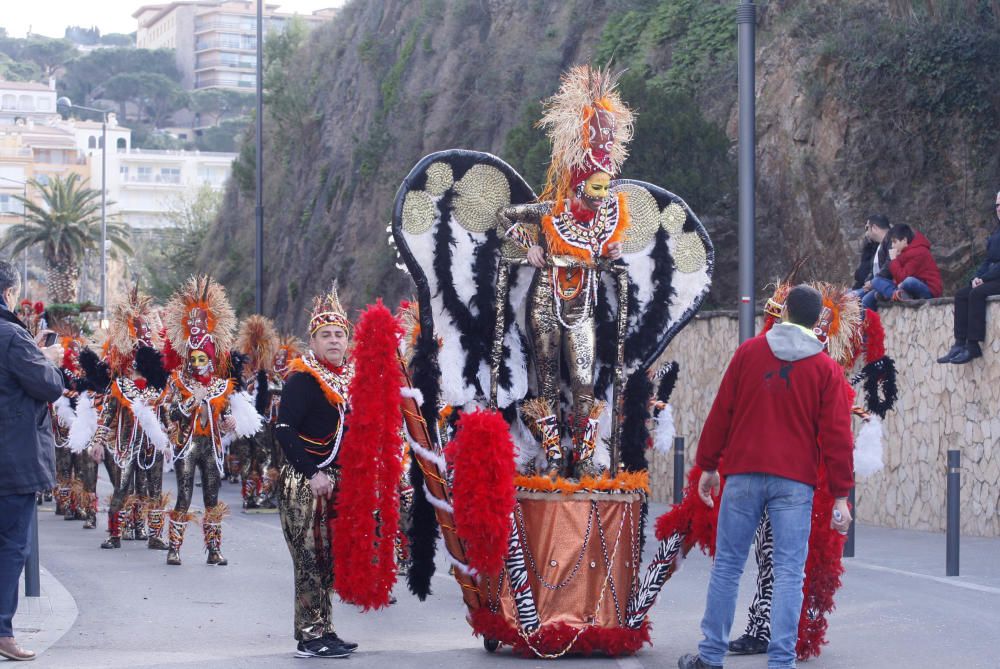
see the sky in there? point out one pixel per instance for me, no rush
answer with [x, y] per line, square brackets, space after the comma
[50, 17]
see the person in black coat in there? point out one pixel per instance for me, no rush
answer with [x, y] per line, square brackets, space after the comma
[970, 303]
[874, 254]
[29, 380]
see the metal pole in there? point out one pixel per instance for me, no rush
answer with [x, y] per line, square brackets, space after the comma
[104, 217]
[678, 470]
[746, 22]
[954, 527]
[849, 545]
[32, 577]
[259, 209]
[24, 220]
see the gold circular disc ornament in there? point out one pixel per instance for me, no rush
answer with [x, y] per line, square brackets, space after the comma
[672, 218]
[689, 253]
[479, 195]
[439, 179]
[419, 212]
[643, 213]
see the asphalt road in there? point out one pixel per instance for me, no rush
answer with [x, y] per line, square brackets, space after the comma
[134, 611]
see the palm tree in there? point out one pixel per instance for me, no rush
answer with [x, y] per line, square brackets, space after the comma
[65, 224]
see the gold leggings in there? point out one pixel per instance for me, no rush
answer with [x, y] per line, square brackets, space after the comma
[303, 520]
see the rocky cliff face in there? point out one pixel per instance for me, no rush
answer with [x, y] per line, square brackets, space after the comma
[389, 81]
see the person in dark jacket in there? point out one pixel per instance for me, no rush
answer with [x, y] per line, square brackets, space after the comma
[970, 303]
[874, 254]
[780, 409]
[29, 381]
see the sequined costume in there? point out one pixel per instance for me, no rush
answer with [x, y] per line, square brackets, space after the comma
[206, 409]
[309, 429]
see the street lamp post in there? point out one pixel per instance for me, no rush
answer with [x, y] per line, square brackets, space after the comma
[746, 22]
[259, 174]
[67, 103]
[24, 219]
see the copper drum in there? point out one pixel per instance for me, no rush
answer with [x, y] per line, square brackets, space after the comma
[581, 552]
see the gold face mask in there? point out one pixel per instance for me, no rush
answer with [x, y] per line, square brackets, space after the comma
[199, 362]
[597, 186]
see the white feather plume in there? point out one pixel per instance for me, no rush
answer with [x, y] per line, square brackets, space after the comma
[151, 425]
[248, 421]
[868, 448]
[664, 432]
[64, 411]
[84, 427]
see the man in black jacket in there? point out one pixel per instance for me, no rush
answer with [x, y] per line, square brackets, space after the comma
[874, 255]
[29, 381]
[970, 303]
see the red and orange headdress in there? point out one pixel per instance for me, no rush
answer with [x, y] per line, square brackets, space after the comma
[327, 310]
[590, 129]
[258, 340]
[200, 318]
[132, 323]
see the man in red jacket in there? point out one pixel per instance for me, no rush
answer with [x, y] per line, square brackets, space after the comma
[912, 273]
[780, 408]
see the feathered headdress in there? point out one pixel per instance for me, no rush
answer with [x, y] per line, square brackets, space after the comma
[131, 324]
[258, 340]
[839, 325]
[590, 128]
[200, 318]
[327, 310]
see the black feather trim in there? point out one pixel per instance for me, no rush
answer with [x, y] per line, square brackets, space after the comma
[656, 314]
[263, 400]
[881, 373]
[237, 361]
[606, 333]
[97, 375]
[667, 382]
[149, 364]
[635, 434]
[426, 377]
[422, 535]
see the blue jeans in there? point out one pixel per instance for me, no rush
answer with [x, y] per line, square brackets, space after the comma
[880, 287]
[744, 499]
[17, 512]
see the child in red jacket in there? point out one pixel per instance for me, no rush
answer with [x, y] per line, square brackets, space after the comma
[914, 274]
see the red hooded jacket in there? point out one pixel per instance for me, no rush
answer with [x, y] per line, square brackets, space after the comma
[916, 261]
[781, 409]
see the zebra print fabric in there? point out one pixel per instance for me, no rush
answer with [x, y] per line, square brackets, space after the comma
[759, 623]
[517, 570]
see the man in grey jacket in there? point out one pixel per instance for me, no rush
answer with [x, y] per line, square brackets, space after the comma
[29, 381]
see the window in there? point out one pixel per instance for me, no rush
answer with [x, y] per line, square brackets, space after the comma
[26, 103]
[170, 175]
[92, 142]
[9, 101]
[9, 205]
[145, 174]
[123, 172]
[44, 104]
[42, 179]
[121, 144]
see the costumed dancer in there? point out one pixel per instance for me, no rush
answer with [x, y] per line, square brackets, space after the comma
[205, 407]
[257, 343]
[290, 349]
[581, 221]
[131, 427]
[69, 465]
[310, 425]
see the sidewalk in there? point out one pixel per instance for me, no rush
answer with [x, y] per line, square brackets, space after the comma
[42, 621]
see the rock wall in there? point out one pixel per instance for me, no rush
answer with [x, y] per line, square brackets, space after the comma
[940, 407]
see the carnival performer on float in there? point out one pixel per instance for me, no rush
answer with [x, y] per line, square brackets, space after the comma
[131, 423]
[257, 343]
[582, 221]
[310, 426]
[205, 408]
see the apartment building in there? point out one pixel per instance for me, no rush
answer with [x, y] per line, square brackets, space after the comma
[214, 41]
[27, 100]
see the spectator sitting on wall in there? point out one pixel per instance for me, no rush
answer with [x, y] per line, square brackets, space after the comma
[970, 303]
[912, 272]
[874, 254]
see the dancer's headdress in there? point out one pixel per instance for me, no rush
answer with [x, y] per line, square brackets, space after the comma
[327, 310]
[132, 323]
[259, 340]
[199, 317]
[590, 128]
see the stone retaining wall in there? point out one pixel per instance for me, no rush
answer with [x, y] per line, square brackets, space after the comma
[940, 407]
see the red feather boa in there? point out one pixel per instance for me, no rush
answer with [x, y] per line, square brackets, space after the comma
[692, 518]
[555, 637]
[366, 518]
[482, 455]
[874, 336]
